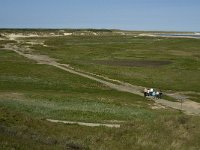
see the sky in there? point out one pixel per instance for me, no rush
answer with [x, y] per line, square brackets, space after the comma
[165, 15]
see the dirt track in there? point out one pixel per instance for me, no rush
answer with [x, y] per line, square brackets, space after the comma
[189, 107]
[85, 124]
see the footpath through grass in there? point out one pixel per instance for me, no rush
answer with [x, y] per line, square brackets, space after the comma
[85, 52]
[30, 93]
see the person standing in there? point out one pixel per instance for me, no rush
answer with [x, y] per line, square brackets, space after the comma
[145, 92]
[151, 91]
[157, 94]
[154, 94]
[160, 94]
[148, 91]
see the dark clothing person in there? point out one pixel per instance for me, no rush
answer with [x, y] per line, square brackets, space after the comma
[157, 95]
[160, 94]
[145, 92]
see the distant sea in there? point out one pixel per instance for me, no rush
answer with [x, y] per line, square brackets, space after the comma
[180, 35]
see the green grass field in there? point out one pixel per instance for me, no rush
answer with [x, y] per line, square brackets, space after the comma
[86, 52]
[30, 93]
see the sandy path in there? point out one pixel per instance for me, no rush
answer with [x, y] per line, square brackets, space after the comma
[85, 124]
[189, 107]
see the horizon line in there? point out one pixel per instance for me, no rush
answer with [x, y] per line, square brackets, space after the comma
[62, 28]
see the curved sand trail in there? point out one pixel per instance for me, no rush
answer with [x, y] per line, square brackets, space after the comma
[85, 123]
[189, 107]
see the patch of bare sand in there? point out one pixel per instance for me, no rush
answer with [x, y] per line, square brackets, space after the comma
[11, 95]
[13, 36]
[157, 106]
[85, 123]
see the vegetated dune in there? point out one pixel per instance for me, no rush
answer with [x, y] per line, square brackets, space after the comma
[65, 95]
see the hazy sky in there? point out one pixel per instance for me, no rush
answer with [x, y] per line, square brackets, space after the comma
[181, 15]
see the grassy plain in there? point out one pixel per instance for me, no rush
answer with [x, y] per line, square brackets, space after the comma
[30, 93]
[85, 52]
